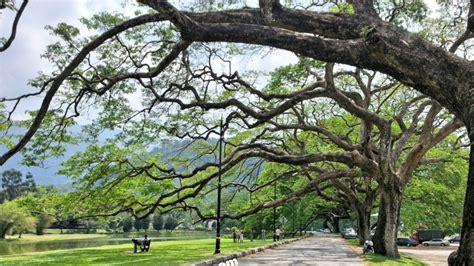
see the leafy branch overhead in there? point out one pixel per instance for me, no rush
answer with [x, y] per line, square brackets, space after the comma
[351, 122]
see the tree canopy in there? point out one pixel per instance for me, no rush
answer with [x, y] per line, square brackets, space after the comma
[172, 57]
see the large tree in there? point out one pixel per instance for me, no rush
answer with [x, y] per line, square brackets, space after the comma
[367, 38]
[48, 205]
[14, 217]
[158, 222]
[13, 186]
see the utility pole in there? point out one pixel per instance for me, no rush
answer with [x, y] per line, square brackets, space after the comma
[218, 225]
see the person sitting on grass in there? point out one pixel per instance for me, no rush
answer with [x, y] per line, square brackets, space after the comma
[144, 241]
[368, 247]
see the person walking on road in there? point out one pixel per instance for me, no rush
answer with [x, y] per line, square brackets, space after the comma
[278, 234]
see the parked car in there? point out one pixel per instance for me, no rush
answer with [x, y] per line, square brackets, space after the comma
[436, 242]
[454, 239]
[349, 233]
[406, 241]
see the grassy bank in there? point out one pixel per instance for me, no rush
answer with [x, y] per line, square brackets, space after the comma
[161, 253]
[52, 237]
[378, 260]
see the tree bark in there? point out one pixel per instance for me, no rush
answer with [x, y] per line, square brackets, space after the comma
[39, 230]
[385, 239]
[5, 230]
[465, 253]
[363, 223]
[335, 225]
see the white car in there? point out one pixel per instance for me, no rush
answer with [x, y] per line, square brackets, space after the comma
[436, 242]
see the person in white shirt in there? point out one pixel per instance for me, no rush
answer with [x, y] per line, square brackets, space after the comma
[278, 234]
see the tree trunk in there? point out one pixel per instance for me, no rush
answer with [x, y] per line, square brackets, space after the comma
[363, 224]
[5, 230]
[465, 254]
[385, 239]
[3, 234]
[301, 227]
[335, 225]
[39, 230]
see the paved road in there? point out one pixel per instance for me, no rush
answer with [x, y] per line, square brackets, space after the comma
[432, 257]
[316, 250]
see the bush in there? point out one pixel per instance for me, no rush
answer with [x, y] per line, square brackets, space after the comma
[127, 224]
[158, 222]
[43, 221]
[171, 223]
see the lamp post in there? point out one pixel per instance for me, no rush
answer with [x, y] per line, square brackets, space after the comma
[218, 225]
[274, 212]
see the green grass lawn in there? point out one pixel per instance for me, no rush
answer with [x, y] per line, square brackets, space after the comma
[376, 260]
[161, 253]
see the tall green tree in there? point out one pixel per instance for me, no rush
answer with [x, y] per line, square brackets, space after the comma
[43, 221]
[137, 224]
[49, 206]
[145, 222]
[13, 185]
[158, 222]
[127, 224]
[170, 223]
[362, 33]
[14, 217]
[113, 224]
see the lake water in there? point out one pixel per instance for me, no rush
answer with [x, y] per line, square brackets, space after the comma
[21, 247]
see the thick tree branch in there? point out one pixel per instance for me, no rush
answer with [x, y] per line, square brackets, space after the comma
[381, 48]
[308, 188]
[469, 33]
[14, 27]
[415, 155]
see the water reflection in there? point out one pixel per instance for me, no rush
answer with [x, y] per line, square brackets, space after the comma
[20, 247]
